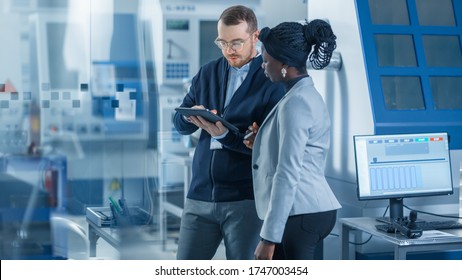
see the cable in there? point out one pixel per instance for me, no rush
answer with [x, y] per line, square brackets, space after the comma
[362, 243]
[354, 243]
[370, 237]
[148, 191]
[385, 212]
[432, 214]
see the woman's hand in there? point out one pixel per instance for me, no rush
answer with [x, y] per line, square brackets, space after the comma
[250, 135]
[265, 250]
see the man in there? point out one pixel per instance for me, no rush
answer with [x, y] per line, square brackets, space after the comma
[220, 202]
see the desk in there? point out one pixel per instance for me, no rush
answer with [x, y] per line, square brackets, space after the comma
[134, 237]
[401, 244]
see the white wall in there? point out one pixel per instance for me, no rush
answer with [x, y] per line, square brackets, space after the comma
[346, 94]
[276, 12]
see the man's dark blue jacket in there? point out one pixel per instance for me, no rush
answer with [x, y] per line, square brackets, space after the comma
[226, 174]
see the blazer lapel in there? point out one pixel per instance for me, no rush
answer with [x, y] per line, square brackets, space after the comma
[294, 88]
[275, 108]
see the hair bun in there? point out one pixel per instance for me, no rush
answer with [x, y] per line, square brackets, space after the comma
[309, 34]
[264, 33]
[318, 33]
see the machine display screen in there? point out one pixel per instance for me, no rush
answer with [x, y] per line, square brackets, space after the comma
[402, 165]
[177, 24]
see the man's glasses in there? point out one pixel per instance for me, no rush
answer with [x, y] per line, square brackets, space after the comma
[235, 45]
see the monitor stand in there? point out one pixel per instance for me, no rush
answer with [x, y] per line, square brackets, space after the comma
[396, 211]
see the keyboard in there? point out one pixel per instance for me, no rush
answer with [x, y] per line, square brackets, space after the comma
[385, 227]
[424, 225]
[437, 225]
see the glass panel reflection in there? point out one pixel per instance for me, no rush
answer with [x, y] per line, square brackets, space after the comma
[446, 92]
[402, 93]
[442, 51]
[395, 50]
[392, 12]
[435, 12]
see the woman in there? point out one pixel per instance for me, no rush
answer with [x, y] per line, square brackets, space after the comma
[292, 196]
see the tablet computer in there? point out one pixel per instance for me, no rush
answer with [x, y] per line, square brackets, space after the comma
[206, 114]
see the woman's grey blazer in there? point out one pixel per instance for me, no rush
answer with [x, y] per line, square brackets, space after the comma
[288, 160]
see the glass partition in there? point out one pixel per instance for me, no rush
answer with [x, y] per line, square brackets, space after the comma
[76, 98]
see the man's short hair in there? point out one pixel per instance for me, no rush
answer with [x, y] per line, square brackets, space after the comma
[234, 15]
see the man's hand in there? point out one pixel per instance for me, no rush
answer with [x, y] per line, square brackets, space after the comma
[214, 129]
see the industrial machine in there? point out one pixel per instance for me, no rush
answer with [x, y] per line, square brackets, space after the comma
[401, 70]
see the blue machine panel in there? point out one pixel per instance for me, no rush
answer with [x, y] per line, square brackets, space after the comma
[413, 63]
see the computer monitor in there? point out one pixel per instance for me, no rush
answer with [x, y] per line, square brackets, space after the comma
[398, 166]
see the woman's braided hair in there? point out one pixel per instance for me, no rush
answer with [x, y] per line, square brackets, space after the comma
[315, 38]
[320, 34]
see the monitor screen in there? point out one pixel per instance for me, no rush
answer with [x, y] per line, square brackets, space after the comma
[402, 165]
